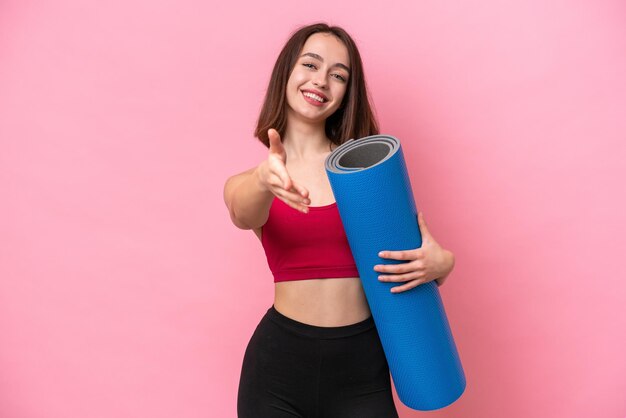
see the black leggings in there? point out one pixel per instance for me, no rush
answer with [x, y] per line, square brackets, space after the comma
[292, 369]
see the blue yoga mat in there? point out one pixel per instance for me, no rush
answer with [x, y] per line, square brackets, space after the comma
[371, 185]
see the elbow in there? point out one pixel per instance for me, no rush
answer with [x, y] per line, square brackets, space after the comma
[234, 216]
[452, 259]
[228, 200]
[235, 220]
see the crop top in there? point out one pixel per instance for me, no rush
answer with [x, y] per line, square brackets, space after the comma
[301, 246]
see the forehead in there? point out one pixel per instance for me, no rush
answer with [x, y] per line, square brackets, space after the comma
[329, 47]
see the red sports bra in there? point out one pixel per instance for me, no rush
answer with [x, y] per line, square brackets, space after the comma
[301, 246]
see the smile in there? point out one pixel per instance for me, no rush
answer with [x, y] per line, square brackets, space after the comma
[314, 98]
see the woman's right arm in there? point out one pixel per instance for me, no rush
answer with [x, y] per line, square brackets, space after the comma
[247, 200]
[249, 195]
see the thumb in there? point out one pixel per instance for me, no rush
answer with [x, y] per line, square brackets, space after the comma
[276, 144]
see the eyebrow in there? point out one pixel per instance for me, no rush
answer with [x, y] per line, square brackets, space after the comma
[317, 57]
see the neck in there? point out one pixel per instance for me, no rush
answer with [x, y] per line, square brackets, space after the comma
[304, 139]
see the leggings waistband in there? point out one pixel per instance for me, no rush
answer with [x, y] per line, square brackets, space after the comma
[314, 331]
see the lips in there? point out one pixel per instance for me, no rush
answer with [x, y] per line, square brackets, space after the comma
[314, 97]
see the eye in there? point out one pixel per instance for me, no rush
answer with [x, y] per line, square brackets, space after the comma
[339, 77]
[309, 65]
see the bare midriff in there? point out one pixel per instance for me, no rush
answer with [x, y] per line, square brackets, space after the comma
[322, 302]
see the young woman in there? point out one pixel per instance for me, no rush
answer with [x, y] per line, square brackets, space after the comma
[316, 352]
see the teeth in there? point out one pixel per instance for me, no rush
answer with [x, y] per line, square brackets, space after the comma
[314, 96]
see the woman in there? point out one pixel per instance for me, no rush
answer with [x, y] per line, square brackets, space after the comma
[316, 352]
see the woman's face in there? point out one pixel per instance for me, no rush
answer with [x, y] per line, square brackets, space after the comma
[319, 79]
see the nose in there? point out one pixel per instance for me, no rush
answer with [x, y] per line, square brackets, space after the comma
[320, 79]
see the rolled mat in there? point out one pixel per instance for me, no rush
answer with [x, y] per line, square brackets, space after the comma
[371, 185]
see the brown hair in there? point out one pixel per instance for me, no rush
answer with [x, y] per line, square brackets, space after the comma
[354, 117]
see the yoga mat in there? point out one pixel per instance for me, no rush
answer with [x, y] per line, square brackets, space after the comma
[371, 185]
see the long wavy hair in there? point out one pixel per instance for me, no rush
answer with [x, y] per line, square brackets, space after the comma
[353, 119]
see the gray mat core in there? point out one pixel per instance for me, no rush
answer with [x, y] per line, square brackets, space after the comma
[364, 156]
[361, 154]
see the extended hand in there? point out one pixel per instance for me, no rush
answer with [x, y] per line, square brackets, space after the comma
[275, 178]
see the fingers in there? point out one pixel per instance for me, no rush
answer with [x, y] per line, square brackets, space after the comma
[408, 286]
[398, 268]
[400, 278]
[294, 199]
[291, 195]
[277, 164]
[296, 196]
[301, 190]
[276, 145]
[290, 192]
[297, 206]
[278, 158]
[278, 168]
[401, 255]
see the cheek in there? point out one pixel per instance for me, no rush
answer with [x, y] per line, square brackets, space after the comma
[291, 88]
[340, 94]
[295, 80]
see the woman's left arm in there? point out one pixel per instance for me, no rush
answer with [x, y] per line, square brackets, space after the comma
[427, 263]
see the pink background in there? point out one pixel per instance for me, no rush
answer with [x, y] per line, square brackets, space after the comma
[125, 291]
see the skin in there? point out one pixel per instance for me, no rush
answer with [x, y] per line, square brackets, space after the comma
[294, 172]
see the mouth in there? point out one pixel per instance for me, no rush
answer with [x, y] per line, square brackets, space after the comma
[314, 97]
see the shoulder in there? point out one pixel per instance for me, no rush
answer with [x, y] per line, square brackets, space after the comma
[243, 174]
